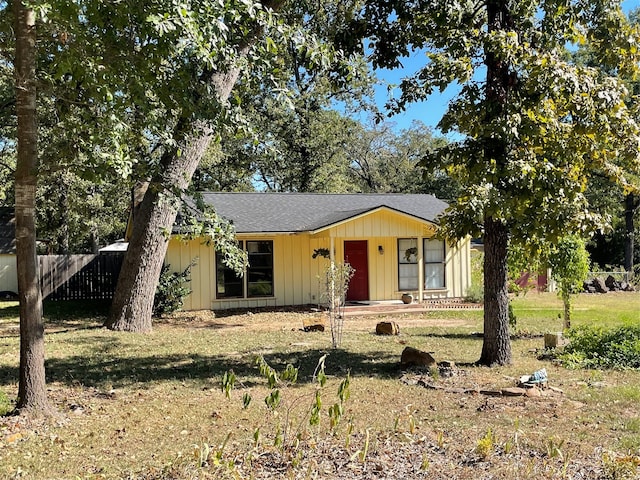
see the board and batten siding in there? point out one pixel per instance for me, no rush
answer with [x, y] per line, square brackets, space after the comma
[295, 272]
[297, 275]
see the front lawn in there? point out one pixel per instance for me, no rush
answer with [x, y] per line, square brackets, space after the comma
[151, 406]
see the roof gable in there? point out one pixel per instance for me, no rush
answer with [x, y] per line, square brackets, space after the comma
[309, 212]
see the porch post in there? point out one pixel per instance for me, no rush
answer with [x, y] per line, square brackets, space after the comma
[420, 270]
[332, 254]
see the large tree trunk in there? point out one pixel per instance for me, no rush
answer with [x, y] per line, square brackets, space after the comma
[132, 305]
[496, 347]
[630, 204]
[133, 300]
[32, 392]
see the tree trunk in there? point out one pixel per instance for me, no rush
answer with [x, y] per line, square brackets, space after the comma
[496, 347]
[630, 205]
[133, 300]
[132, 305]
[566, 299]
[32, 392]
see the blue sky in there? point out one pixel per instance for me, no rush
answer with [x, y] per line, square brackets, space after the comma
[430, 111]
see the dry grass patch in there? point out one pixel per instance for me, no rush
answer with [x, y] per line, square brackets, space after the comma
[151, 406]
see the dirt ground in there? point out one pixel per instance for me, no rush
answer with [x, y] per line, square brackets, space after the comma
[292, 320]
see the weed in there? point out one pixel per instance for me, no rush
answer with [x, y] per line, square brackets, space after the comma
[485, 445]
[348, 434]
[513, 445]
[228, 382]
[365, 448]
[596, 347]
[554, 447]
[620, 467]
[412, 424]
[280, 396]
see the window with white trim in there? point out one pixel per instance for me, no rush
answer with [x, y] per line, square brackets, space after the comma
[433, 264]
[408, 277]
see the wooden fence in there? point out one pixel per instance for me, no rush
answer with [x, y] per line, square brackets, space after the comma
[79, 277]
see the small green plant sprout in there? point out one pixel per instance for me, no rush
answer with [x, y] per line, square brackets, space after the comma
[362, 453]
[267, 372]
[228, 382]
[425, 464]
[256, 438]
[412, 424]
[337, 410]
[318, 373]
[485, 445]
[348, 433]
[513, 444]
[316, 408]
[554, 447]
[206, 456]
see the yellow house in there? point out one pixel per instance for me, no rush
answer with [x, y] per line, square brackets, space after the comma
[387, 238]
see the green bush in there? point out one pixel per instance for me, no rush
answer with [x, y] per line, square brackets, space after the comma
[596, 347]
[475, 291]
[172, 290]
[475, 294]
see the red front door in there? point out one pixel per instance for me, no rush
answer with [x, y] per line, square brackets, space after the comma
[355, 253]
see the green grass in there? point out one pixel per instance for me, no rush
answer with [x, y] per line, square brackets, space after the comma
[145, 406]
[540, 312]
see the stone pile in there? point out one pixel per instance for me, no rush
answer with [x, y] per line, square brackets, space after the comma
[610, 284]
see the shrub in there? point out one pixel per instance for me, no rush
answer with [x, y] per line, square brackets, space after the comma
[172, 290]
[475, 291]
[475, 294]
[595, 347]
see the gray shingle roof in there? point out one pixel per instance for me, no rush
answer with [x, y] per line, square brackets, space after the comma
[303, 212]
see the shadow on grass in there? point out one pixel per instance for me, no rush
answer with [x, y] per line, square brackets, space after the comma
[61, 316]
[451, 335]
[9, 310]
[56, 311]
[76, 310]
[106, 368]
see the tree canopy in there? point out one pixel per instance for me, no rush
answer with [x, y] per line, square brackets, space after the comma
[534, 124]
